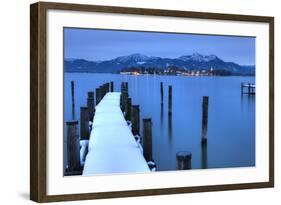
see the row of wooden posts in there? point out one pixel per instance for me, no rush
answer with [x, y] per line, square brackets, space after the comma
[131, 113]
[205, 103]
[184, 157]
[86, 115]
[169, 97]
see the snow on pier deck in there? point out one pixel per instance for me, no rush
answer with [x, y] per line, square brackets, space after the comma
[112, 147]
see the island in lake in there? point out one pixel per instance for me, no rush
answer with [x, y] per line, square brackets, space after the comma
[188, 65]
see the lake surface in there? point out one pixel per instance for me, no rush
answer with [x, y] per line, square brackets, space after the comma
[231, 117]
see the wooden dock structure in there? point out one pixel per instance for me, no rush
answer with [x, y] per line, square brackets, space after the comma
[248, 88]
[112, 147]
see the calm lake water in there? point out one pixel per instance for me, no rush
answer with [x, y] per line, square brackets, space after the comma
[231, 120]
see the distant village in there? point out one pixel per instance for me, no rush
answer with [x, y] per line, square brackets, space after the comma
[174, 71]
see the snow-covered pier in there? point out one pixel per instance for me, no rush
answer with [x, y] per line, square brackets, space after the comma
[112, 147]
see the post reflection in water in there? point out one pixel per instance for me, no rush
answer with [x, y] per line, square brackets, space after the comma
[170, 127]
[162, 115]
[247, 102]
[249, 98]
[73, 114]
[204, 156]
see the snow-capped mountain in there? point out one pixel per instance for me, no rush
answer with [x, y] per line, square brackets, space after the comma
[194, 61]
[134, 58]
[198, 57]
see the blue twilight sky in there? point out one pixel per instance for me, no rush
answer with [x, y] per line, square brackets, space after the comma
[93, 44]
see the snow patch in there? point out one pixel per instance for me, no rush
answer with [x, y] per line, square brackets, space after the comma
[198, 57]
[141, 62]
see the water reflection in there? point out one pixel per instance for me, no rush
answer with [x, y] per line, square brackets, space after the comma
[228, 116]
[204, 156]
[247, 101]
[73, 114]
[162, 115]
[251, 99]
[170, 127]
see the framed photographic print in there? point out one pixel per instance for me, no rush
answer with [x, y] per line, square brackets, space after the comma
[134, 102]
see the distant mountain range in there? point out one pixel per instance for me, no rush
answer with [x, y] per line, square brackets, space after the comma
[194, 62]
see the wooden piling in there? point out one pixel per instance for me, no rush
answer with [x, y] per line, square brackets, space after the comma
[135, 111]
[170, 100]
[84, 123]
[72, 96]
[107, 85]
[161, 92]
[102, 91]
[183, 160]
[147, 139]
[73, 147]
[91, 105]
[111, 86]
[204, 119]
[128, 109]
[90, 94]
[105, 88]
[122, 90]
[124, 86]
[98, 95]
[127, 86]
[124, 100]
[124, 95]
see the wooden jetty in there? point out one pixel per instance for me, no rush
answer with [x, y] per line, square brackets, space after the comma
[248, 88]
[112, 147]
